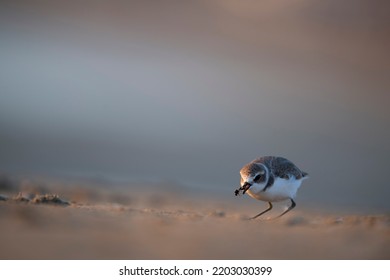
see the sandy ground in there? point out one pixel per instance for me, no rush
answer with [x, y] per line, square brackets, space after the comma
[92, 223]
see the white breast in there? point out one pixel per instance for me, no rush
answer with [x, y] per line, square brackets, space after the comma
[282, 189]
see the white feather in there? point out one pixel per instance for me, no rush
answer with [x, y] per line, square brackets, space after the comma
[282, 189]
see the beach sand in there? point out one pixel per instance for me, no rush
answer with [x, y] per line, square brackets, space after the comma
[123, 223]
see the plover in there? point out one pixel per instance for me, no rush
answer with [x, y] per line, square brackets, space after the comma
[271, 179]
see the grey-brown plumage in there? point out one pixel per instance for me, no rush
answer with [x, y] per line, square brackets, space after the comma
[278, 166]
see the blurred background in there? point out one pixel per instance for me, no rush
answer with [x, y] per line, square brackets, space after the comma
[187, 92]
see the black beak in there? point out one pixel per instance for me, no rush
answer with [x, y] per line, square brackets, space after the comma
[245, 187]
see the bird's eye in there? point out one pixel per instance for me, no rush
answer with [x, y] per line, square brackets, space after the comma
[257, 178]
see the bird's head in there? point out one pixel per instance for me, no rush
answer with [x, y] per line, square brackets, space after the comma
[253, 174]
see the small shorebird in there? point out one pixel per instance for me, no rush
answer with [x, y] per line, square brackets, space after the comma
[271, 179]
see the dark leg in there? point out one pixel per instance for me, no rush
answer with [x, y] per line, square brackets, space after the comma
[288, 209]
[265, 211]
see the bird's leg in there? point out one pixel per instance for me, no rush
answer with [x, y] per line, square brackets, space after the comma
[265, 211]
[288, 209]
